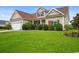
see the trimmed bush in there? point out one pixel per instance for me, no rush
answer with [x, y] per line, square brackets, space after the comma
[27, 26]
[33, 26]
[8, 26]
[30, 26]
[2, 27]
[39, 27]
[42, 27]
[51, 27]
[24, 27]
[45, 27]
[68, 27]
[59, 27]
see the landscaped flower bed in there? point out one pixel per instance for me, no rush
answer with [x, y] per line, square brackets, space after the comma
[72, 34]
[30, 26]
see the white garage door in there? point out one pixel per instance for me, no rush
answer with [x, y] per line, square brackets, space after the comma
[16, 26]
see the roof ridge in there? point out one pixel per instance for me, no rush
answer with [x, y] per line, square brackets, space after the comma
[23, 11]
[26, 15]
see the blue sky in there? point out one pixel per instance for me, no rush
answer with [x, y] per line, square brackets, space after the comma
[7, 11]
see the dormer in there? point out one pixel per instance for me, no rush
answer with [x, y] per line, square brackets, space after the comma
[41, 12]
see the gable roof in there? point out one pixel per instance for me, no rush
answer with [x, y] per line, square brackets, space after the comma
[64, 10]
[42, 9]
[55, 11]
[25, 15]
[29, 16]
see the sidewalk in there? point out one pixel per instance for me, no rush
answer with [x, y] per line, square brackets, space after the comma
[7, 30]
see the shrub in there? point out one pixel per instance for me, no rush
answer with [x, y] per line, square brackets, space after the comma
[8, 26]
[42, 27]
[27, 26]
[68, 27]
[59, 27]
[33, 26]
[2, 27]
[39, 27]
[51, 27]
[45, 27]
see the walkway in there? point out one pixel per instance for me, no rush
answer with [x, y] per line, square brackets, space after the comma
[6, 30]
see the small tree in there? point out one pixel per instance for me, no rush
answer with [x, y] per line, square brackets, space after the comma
[75, 22]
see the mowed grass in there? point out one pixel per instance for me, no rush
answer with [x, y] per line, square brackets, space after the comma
[37, 42]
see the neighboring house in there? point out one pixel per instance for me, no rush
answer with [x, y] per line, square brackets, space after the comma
[42, 16]
[3, 23]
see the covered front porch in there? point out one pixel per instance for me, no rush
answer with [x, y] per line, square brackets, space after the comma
[41, 21]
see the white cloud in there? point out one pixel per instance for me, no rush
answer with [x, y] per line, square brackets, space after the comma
[5, 14]
[4, 17]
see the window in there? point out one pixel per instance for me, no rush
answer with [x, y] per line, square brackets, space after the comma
[58, 21]
[40, 12]
[43, 21]
[37, 22]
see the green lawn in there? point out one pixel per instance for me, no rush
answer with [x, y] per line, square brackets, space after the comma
[37, 41]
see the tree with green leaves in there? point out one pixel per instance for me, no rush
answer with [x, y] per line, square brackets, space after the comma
[75, 21]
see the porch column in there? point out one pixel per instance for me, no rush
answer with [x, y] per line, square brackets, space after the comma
[33, 22]
[40, 21]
